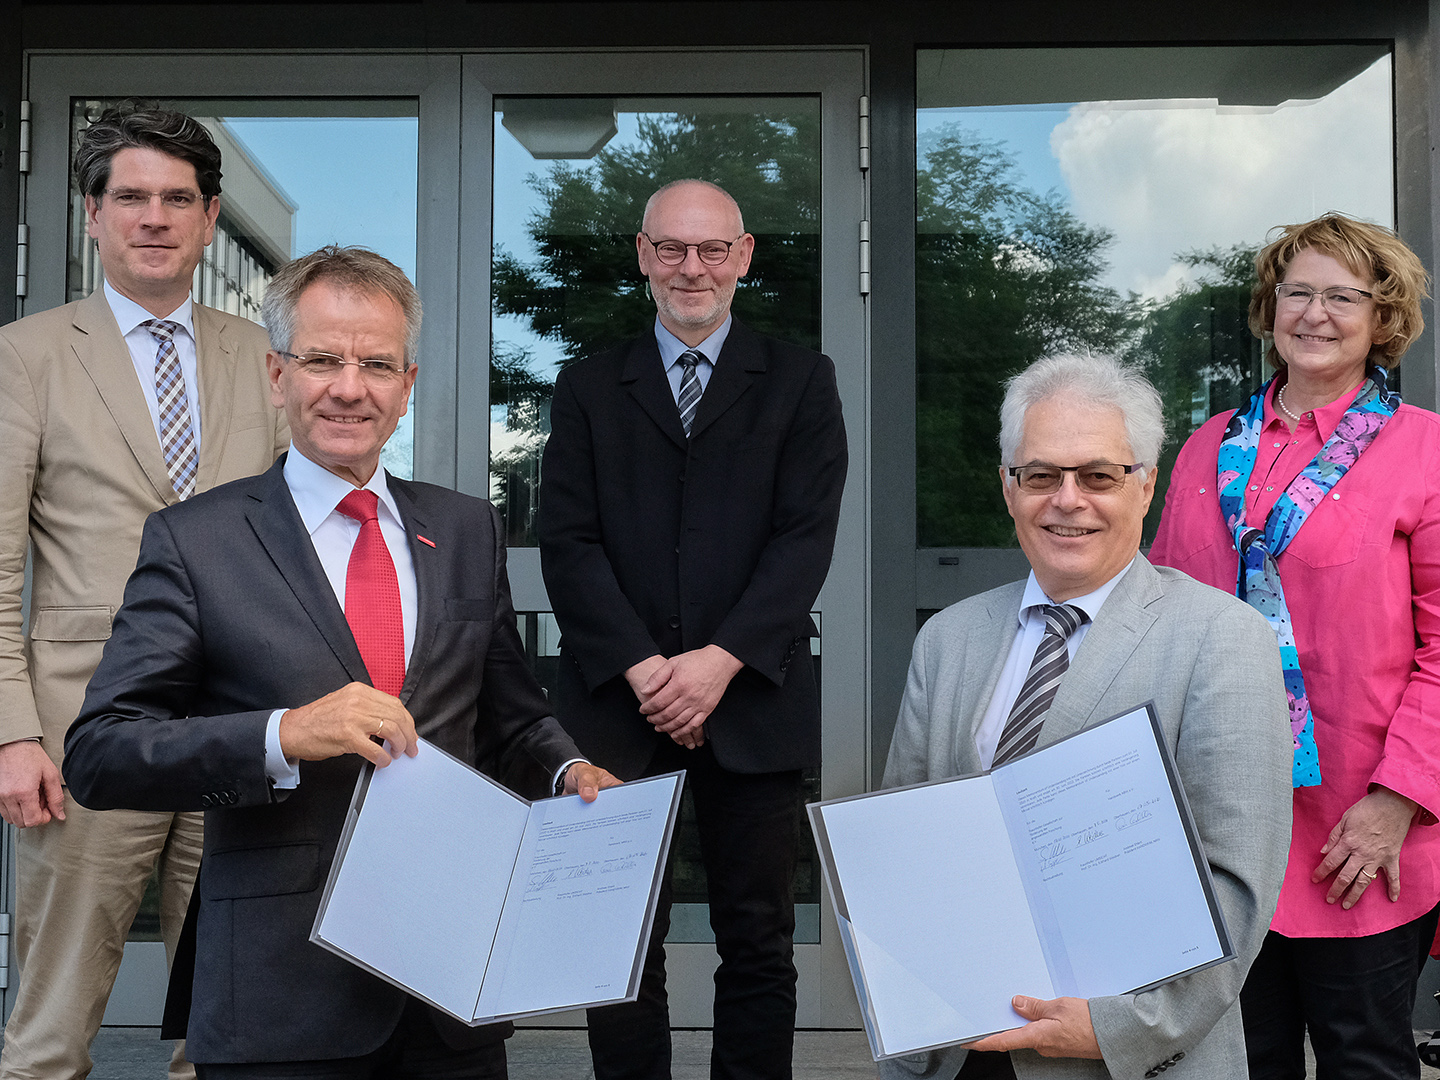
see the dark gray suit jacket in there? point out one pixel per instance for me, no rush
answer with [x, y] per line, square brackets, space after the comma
[1210, 665]
[229, 616]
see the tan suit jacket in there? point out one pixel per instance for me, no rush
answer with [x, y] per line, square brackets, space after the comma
[81, 469]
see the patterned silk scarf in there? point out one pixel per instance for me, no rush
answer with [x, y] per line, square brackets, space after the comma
[1259, 581]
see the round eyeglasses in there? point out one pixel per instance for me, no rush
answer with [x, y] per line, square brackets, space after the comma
[1096, 478]
[673, 252]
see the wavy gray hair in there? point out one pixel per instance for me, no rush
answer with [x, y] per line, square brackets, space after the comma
[1098, 381]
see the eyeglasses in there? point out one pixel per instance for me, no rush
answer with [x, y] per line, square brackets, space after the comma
[1337, 300]
[323, 366]
[673, 252]
[1096, 478]
[134, 199]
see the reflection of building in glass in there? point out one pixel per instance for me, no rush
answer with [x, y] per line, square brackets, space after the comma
[252, 234]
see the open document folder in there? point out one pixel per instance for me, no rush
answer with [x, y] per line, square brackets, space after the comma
[1072, 871]
[489, 906]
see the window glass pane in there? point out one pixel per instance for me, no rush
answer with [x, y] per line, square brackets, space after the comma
[1113, 200]
[571, 179]
[298, 174]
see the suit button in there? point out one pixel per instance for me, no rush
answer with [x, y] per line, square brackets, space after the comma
[1150, 1074]
[207, 801]
[682, 478]
[674, 622]
[1178, 1055]
[232, 796]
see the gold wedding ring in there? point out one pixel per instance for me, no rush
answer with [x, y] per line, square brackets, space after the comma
[378, 728]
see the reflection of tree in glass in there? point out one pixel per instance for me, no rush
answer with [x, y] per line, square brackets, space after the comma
[584, 291]
[1197, 348]
[1005, 276]
[524, 399]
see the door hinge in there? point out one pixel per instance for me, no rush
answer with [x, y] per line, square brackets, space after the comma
[24, 137]
[864, 132]
[865, 258]
[4, 952]
[22, 261]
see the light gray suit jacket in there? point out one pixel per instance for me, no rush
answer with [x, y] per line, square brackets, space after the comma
[1210, 664]
[81, 470]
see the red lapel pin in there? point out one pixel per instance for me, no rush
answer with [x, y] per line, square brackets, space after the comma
[424, 540]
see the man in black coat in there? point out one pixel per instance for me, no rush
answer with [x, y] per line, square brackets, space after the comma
[275, 633]
[691, 491]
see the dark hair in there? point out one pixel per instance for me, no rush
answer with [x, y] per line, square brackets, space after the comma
[133, 125]
[354, 269]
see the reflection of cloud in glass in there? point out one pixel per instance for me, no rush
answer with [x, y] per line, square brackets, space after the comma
[1166, 177]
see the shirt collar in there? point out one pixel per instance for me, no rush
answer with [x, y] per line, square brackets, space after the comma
[129, 314]
[317, 491]
[671, 347]
[1326, 418]
[1090, 603]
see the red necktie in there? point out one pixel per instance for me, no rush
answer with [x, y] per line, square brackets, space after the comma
[372, 597]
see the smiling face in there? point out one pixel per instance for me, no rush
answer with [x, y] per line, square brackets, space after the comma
[1076, 541]
[342, 422]
[150, 255]
[1325, 355]
[692, 298]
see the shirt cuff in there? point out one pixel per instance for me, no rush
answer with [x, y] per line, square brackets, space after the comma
[281, 772]
[557, 784]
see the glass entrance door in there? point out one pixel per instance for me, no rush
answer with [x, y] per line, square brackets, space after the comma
[574, 150]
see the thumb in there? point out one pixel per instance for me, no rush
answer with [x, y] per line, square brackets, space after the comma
[1028, 1007]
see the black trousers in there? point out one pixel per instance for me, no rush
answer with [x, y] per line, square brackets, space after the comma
[749, 839]
[1354, 995]
[414, 1051]
[986, 1065]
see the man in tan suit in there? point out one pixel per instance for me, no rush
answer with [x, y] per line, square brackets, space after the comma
[110, 408]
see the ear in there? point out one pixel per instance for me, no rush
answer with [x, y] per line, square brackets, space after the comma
[92, 207]
[1008, 490]
[744, 249]
[274, 365]
[212, 212]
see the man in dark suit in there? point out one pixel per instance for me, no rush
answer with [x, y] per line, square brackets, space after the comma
[277, 632]
[691, 492]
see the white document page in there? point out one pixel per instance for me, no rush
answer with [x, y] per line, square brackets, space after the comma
[425, 876]
[1107, 858]
[940, 922]
[580, 900]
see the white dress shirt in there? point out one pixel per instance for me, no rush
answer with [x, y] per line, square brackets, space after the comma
[143, 346]
[317, 492]
[1028, 634]
[671, 349]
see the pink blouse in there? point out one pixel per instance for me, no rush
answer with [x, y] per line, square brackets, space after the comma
[1362, 581]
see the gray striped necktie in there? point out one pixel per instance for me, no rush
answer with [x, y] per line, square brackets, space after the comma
[1052, 660]
[690, 391]
[177, 435]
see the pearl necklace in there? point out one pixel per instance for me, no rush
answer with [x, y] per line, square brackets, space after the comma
[1280, 400]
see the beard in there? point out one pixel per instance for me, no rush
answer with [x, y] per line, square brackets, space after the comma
[690, 318]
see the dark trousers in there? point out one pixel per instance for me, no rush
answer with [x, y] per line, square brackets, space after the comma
[986, 1065]
[414, 1051]
[1354, 995]
[749, 838]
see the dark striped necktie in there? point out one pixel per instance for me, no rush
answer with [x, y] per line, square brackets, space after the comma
[690, 391]
[1052, 660]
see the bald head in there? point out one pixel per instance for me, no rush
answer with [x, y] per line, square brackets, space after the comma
[678, 190]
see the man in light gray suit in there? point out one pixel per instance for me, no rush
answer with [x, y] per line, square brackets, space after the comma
[1095, 631]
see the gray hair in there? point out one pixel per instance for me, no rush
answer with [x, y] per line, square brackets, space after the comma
[349, 268]
[703, 183]
[1096, 381]
[129, 125]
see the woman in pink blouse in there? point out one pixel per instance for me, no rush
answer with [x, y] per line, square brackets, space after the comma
[1319, 504]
